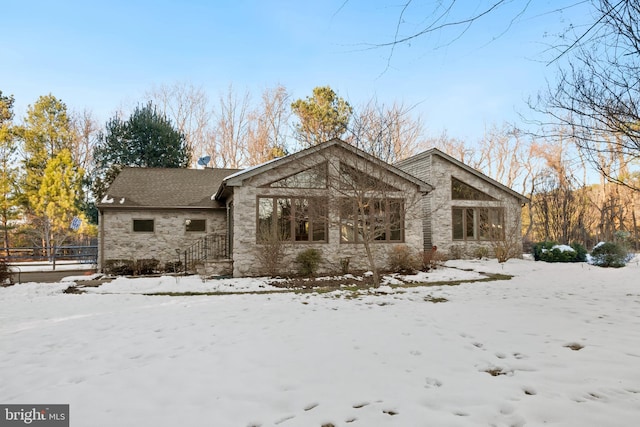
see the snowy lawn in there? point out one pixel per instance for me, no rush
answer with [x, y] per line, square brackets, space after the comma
[558, 344]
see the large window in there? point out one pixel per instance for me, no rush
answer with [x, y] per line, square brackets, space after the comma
[463, 191]
[143, 225]
[377, 220]
[315, 177]
[295, 219]
[478, 223]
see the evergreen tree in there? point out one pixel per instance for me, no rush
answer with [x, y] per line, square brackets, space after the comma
[146, 139]
[47, 130]
[322, 117]
[8, 169]
[56, 202]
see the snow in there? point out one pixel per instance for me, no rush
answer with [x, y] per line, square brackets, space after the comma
[407, 356]
[61, 265]
[106, 199]
[563, 248]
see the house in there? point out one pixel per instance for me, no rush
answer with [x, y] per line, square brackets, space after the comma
[333, 197]
[467, 210]
[148, 213]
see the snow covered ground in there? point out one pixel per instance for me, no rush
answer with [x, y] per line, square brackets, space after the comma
[558, 344]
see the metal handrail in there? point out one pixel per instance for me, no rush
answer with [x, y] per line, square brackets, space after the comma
[209, 247]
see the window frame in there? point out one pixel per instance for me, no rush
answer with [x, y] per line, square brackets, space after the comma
[463, 230]
[459, 186]
[286, 228]
[289, 181]
[350, 219]
[189, 222]
[143, 220]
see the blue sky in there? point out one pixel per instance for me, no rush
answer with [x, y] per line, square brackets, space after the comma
[104, 55]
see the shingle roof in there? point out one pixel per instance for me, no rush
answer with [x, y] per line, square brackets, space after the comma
[164, 188]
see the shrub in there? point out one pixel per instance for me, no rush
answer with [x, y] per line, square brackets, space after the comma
[173, 266]
[610, 255]
[401, 260]
[553, 252]
[146, 266]
[309, 260]
[431, 259]
[456, 252]
[5, 273]
[481, 252]
[119, 267]
[270, 253]
[540, 248]
[581, 252]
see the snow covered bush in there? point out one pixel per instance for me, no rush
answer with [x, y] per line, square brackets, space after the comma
[553, 252]
[401, 259]
[610, 254]
[309, 260]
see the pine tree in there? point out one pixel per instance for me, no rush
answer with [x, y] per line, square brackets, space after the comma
[8, 170]
[322, 117]
[46, 131]
[56, 202]
[146, 139]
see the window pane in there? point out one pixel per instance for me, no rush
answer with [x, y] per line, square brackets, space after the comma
[195, 225]
[354, 179]
[283, 207]
[319, 219]
[302, 223]
[469, 224]
[378, 220]
[143, 225]
[462, 191]
[496, 219]
[347, 220]
[484, 226]
[265, 218]
[457, 224]
[395, 220]
[315, 177]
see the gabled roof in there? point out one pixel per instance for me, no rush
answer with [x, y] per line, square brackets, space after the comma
[237, 178]
[477, 173]
[164, 188]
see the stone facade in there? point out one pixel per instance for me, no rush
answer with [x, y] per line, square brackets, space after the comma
[438, 170]
[169, 234]
[334, 252]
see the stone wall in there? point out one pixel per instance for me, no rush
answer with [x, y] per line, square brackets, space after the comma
[121, 242]
[246, 247]
[438, 204]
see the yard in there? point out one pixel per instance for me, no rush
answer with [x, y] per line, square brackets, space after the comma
[557, 344]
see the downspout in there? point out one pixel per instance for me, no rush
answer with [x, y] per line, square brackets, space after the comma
[100, 240]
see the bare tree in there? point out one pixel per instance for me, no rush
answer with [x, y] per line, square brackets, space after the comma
[232, 129]
[372, 210]
[388, 133]
[596, 94]
[267, 138]
[188, 107]
[86, 130]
